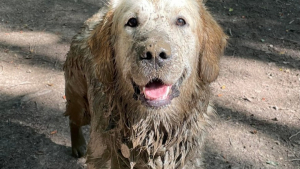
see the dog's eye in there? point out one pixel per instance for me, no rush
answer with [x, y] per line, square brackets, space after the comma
[132, 22]
[180, 22]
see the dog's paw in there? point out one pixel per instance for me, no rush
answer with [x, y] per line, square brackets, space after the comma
[79, 151]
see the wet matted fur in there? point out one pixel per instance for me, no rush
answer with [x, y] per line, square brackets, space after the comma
[139, 73]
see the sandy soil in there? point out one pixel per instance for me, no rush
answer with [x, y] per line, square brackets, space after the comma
[257, 94]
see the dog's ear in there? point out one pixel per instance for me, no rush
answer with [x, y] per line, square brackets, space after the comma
[213, 41]
[100, 44]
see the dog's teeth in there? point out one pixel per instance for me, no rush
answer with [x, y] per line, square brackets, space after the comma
[164, 97]
[168, 90]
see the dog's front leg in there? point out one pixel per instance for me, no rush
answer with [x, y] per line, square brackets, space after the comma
[77, 139]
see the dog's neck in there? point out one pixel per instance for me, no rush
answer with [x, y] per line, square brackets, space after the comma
[161, 143]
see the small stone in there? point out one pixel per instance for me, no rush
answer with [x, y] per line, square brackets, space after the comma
[247, 99]
[28, 57]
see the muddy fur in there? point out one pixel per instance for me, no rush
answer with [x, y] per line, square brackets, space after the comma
[101, 68]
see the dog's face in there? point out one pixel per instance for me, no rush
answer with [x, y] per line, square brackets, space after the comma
[162, 49]
[157, 47]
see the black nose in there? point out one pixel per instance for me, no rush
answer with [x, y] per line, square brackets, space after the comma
[157, 54]
[149, 55]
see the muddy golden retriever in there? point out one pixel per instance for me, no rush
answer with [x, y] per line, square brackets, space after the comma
[139, 73]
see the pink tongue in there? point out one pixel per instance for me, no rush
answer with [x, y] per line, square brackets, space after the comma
[156, 91]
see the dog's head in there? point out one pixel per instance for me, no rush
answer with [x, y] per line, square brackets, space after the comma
[157, 50]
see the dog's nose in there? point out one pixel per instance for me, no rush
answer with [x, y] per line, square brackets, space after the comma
[157, 53]
[160, 55]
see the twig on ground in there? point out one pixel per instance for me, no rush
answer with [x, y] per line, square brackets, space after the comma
[36, 105]
[294, 135]
[233, 53]
[23, 83]
[230, 141]
[291, 21]
[230, 33]
[295, 160]
[289, 40]
[55, 63]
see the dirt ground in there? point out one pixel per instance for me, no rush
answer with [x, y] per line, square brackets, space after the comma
[257, 94]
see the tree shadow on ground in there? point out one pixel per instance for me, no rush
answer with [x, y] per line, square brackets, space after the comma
[23, 56]
[61, 19]
[279, 133]
[24, 143]
[272, 128]
[214, 159]
[266, 31]
[56, 16]
[23, 147]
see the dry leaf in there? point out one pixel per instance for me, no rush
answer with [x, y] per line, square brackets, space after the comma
[272, 163]
[53, 132]
[39, 153]
[125, 151]
[253, 132]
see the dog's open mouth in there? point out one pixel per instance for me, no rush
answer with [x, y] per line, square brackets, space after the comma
[156, 93]
[156, 90]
